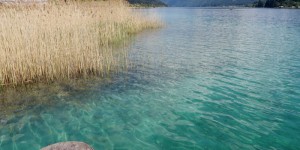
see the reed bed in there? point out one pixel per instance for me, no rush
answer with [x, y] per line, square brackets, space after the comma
[42, 43]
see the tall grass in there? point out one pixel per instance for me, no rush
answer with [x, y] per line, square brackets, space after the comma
[40, 43]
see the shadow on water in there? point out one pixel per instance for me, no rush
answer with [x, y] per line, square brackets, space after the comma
[16, 102]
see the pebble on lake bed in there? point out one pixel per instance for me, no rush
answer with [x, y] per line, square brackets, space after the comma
[3, 122]
[68, 146]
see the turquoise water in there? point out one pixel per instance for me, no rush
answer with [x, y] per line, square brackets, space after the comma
[210, 79]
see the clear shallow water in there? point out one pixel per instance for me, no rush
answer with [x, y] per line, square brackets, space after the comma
[211, 79]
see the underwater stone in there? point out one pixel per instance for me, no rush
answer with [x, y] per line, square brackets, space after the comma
[2, 121]
[68, 146]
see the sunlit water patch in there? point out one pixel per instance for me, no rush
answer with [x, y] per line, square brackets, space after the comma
[210, 79]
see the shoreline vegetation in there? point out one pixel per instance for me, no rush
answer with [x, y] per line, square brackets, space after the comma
[48, 42]
[277, 4]
[146, 3]
[145, 6]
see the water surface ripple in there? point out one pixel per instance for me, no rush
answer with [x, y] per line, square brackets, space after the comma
[210, 79]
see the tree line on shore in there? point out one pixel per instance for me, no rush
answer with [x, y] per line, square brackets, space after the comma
[147, 2]
[277, 3]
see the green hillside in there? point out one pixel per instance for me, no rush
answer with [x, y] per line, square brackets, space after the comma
[281, 3]
[147, 2]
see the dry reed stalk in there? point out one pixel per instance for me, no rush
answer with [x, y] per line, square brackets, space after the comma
[41, 43]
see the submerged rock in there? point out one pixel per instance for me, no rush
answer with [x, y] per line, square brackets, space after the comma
[3, 121]
[68, 146]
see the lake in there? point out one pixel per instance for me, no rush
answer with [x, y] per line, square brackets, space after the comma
[209, 79]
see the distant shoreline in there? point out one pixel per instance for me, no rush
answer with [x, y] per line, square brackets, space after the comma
[231, 7]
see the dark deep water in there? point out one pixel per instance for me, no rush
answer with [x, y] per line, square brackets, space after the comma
[210, 79]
